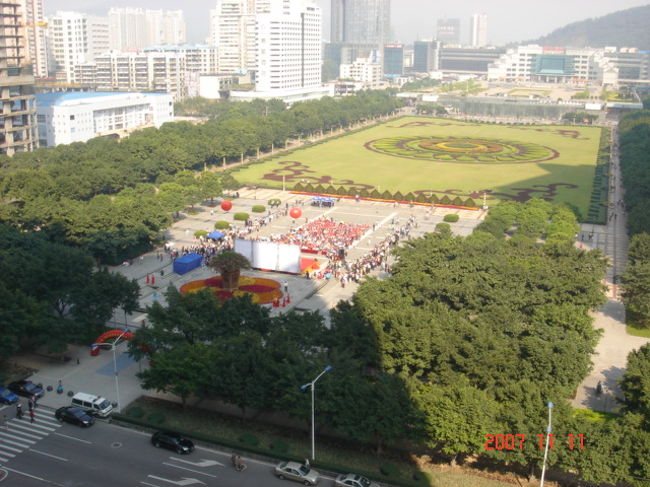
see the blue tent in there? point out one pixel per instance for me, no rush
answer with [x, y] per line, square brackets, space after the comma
[188, 262]
[216, 235]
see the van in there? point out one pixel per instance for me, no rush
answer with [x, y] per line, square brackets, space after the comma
[93, 405]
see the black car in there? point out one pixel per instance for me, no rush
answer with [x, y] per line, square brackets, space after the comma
[26, 388]
[74, 415]
[172, 441]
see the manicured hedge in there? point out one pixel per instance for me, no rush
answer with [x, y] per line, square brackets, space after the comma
[258, 209]
[241, 216]
[221, 225]
[450, 218]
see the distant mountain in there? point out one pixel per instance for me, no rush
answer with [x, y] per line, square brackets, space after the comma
[626, 28]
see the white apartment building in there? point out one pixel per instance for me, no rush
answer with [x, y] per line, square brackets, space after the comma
[170, 69]
[232, 30]
[363, 70]
[74, 38]
[551, 65]
[33, 20]
[64, 118]
[478, 30]
[137, 28]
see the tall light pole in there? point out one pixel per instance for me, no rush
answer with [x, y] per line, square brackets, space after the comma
[312, 385]
[548, 432]
[117, 382]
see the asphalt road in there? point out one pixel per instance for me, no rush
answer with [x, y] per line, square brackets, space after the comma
[47, 453]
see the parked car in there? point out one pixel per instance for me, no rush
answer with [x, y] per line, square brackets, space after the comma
[172, 441]
[296, 471]
[74, 415]
[7, 397]
[353, 480]
[27, 388]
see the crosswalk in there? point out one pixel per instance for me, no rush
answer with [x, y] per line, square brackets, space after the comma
[18, 435]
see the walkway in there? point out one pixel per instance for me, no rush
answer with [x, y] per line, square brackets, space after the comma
[615, 345]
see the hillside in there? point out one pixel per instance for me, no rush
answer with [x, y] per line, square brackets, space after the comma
[626, 28]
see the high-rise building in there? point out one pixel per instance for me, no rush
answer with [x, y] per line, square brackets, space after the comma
[393, 60]
[33, 20]
[137, 28]
[74, 38]
[360, 22]
[289, 47]
[478, 30]
[232, 30]
[426, 56]
[18, 113]
[448, 31]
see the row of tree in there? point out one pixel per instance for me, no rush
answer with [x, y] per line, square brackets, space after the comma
[634, 136]
[114, 197]
[468, 337]
[52, 294]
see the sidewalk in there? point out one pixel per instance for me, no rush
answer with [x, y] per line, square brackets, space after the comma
[615, 345]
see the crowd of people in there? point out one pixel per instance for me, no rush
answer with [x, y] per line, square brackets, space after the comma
[323, 236]
[352, 271]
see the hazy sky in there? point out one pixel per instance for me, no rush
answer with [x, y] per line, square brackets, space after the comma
[508, 20]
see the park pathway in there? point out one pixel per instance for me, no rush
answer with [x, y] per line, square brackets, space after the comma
[614, 346]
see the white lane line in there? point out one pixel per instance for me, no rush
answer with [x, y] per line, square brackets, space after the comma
[17, 431]
[45, 429]
[189, 469]
[73, 438]
[150, 485]
[5, 447]
[4, 459]
[47, 422]
[32, 476]
[11, 442]
[48, 455]
[7, 454]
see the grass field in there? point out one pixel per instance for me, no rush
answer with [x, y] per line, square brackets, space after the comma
[442, 156]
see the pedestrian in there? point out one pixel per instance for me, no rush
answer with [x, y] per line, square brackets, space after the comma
[35, 398]
[599, 389]
[19, 411]
[285, 286]
[30, 404]
[31, 416]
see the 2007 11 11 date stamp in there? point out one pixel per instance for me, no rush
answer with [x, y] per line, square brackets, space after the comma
[517, 441]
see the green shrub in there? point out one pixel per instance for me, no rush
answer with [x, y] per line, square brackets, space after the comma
[135, 412]
[298, 187]
[389, 470]
[222, 225]
[200, 233]
[443, 228]
[156, 418]
[450, 218]
[241, 216]
[258, 209]
[457, 201]
[249, 439]
[280, 447]
[445, 200]
[273, 202]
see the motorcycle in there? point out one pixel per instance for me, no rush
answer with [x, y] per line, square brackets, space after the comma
[237, 462]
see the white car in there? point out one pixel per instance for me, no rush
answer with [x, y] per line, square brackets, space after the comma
[353, 480]
[296, 471]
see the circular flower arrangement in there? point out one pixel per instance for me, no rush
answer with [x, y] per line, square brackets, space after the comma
[459, 149]
[262, 291]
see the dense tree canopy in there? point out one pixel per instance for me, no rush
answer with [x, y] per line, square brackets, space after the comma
[113, 197]
[51, 294]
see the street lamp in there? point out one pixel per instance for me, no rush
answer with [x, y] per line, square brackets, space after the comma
[312, 385]
[117, 382]
[548, 435]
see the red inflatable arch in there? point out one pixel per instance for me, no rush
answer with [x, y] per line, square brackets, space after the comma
[94, 350]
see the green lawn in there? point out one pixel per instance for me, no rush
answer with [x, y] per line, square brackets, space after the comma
[345, 161]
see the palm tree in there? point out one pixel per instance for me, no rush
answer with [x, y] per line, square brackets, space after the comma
[229, 265]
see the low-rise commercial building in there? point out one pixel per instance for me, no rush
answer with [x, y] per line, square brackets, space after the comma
[67, 117]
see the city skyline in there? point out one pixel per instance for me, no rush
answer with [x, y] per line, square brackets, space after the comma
[510, 20]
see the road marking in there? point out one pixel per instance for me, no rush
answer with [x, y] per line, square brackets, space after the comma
[189, 469]
[33, 477]
[5, 447]
[150, 485]
[202, 463]
[21, 433]
[185, 481]
[74, 438]
[48, 455]
[16, 443]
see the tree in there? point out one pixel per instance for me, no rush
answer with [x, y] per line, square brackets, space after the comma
[229, 265]
[635, 383]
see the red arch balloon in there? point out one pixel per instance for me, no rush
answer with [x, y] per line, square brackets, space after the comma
[226, 205]
[295, 212]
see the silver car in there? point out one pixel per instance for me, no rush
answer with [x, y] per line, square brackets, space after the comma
[296, 471]
[353, 480]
